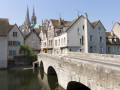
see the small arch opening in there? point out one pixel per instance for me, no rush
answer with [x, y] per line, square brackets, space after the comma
[52, 78]
[36, 65]
[41, 69]
[76, 86]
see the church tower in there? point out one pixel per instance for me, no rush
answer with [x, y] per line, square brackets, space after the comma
[27, 20]
[33, 18]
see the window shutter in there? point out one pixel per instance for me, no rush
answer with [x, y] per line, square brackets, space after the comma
[14, 52]
[10, 52]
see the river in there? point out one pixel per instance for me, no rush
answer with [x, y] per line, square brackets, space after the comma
[27, 80]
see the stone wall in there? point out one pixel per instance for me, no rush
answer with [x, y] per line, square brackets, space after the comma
[20, 61]
[105, 57]
[96, 76]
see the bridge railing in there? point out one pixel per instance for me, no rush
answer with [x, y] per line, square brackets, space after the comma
[107, 57]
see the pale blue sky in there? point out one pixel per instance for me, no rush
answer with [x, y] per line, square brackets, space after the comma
[104, 10]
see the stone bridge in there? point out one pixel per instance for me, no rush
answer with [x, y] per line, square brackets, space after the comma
[74, 70]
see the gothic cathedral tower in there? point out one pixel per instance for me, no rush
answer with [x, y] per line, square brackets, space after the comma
[27, 20]
[33, 18]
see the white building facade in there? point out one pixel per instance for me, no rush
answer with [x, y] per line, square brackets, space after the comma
[33, 41]
[78, 35]
[15, 39]
[4, 26]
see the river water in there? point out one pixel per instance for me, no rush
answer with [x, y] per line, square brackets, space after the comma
[27, 80]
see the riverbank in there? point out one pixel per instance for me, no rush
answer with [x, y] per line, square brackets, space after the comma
[22, 68]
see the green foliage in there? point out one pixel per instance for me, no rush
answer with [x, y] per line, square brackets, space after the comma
[27, 51]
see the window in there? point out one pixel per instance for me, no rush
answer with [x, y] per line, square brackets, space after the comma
[59, 42]
[101, 49]
[64, 41]
[82, 40]
[100, 39]
[108, 49]
[113, 50]
[17, 43]
[113, 40]
[117, 40]
[83, 27]
[55, 42]
[99, 28]
[91, 49]
[12, 52]
[80, 50]
[78, 31]
[91, 38]
[14, 34]
[14, 42]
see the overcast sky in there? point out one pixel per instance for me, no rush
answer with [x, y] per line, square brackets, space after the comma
[108, 11]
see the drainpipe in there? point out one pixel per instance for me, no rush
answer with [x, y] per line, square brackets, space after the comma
[86, 33]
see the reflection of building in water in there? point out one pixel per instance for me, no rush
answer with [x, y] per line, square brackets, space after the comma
[23, 80]
[3, 80]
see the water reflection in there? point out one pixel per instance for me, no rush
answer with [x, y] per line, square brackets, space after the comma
[26, 80]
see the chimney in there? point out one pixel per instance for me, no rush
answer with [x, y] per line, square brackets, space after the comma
[60, 21]
[86, 16]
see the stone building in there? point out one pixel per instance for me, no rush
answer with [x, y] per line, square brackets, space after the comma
[78, 35]
[4, 26]
[113, 40]
[112, 43]
[27, 25]
[33, 41]
[15, 39]
[43, 36]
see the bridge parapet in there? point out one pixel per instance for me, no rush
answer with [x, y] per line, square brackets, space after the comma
[95, 75]
[105, 57]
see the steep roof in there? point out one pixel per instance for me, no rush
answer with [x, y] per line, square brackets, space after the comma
[11, 26]
[4, 26]
[32, 30]
[72, 22]
[94, 23]
[110, 35]
[56, 23]
[111, 39]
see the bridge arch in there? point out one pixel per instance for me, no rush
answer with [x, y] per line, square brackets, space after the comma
[52, 78]
[73, 85]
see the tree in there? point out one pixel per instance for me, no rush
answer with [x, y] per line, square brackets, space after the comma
[27, 51]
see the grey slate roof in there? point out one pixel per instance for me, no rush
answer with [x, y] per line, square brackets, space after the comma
[4, 27]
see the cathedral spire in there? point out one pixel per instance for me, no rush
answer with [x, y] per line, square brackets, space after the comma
[33, 19]
[33, 11]
[27, 20]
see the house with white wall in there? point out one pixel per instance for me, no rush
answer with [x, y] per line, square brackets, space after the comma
[4, 26]
[43, 36]
[112, 43]
[113, 40]
[33, 41]
[15, 39]
[80, 36]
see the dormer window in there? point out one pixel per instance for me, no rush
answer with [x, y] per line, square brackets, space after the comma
[117, 40]
[112, 39]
